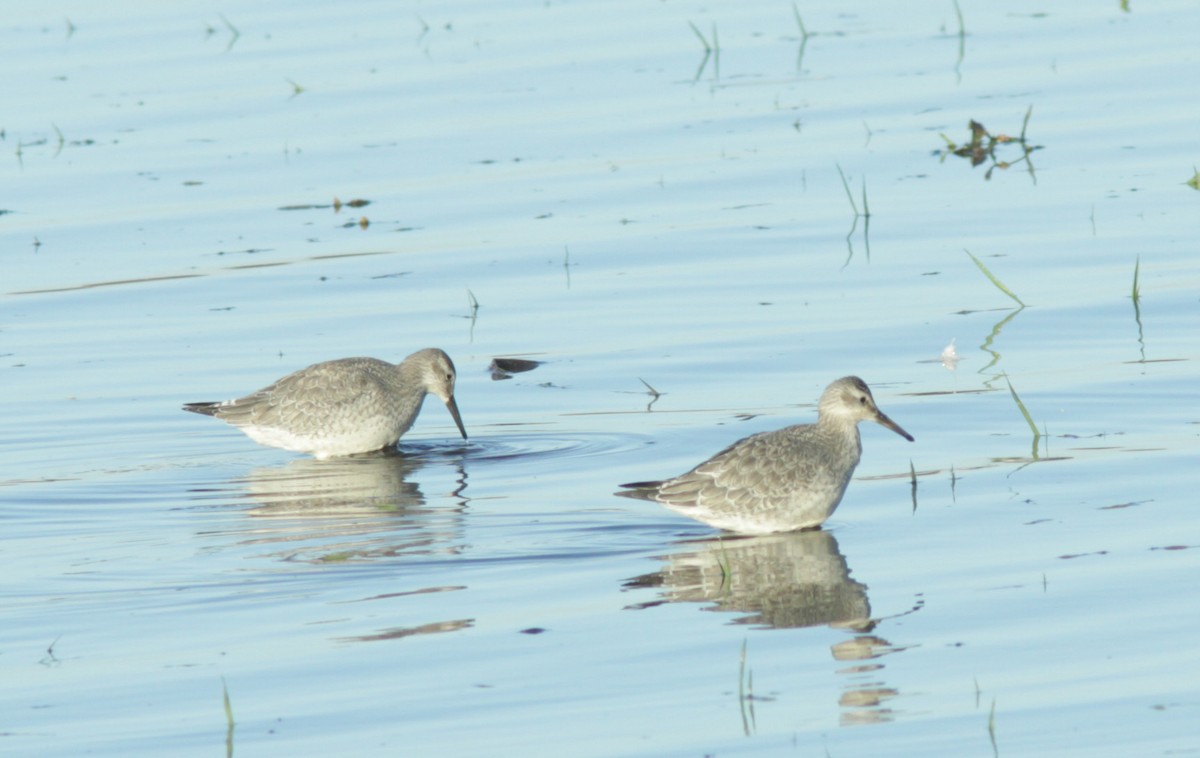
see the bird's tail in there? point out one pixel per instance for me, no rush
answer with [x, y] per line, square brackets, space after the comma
[204, 409]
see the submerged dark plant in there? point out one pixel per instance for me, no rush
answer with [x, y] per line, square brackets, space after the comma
[983, 145]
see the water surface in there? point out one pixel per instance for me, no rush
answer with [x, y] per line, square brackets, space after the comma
[627, 211]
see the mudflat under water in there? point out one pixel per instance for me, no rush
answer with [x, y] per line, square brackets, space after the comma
[694, 217]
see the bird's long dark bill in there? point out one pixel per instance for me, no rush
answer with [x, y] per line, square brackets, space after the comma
[885, 421]
[453, 407]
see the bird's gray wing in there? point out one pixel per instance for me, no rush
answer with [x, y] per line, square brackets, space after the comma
[330, 390]
[760, 469]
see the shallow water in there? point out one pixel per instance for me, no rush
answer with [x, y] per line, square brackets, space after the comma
[627, 212]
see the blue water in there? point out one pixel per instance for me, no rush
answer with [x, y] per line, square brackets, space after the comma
[628, 213]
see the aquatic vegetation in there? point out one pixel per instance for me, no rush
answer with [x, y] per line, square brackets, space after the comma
[865, 215]
[210, 30]
[1037, 434]
[982, 146]
[1137, 265]
[866, 211]
[804, 35]
[229, 721]
[712, 51]
[1136, 297]
[992, 278]
[228, 706]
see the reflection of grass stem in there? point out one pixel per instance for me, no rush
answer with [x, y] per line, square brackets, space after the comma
[654, 396]
[746, 694]
[987, 343]
[803, 37]
[992, 728]
[913, 472]
[865, 215]
[717, 53]
[711, 51]
[1136, 296]
[1025, 124]
[1037, 434]
[962, 40]
[49, 659]
[473, 306]
[722, 561]
[992, 277]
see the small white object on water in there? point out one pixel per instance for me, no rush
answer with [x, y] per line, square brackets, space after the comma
[949, 357]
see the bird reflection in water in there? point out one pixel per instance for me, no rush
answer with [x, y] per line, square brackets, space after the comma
[784, 581]
[353, 510]
[345, 509]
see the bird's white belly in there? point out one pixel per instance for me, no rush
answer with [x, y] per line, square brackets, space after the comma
[363, 440]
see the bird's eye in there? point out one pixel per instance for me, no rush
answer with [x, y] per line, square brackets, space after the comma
[862, 400]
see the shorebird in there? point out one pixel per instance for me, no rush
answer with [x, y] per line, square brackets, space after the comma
[792, 478]
[341, 407]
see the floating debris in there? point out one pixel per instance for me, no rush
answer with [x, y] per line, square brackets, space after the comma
[983, 144]
[337, 205]
[504, 368]
[355, 203]
[949, 357]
